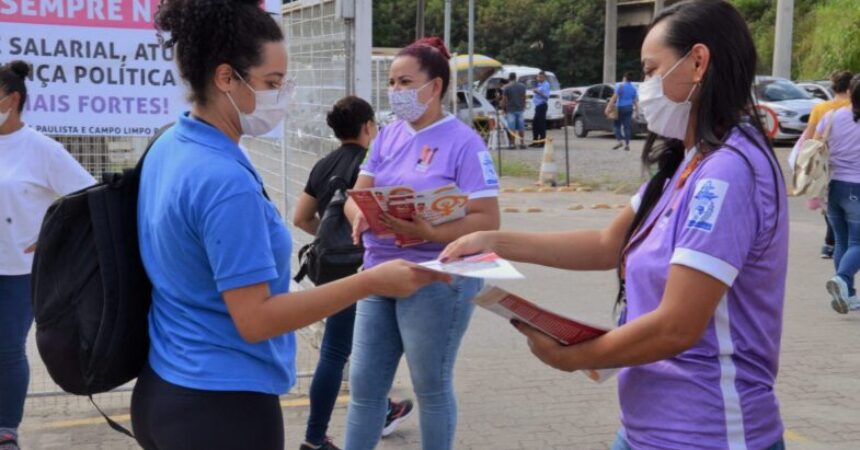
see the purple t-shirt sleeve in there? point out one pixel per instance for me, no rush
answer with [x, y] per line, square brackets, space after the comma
[476, 171]
[371, 161]
[822, 124]
[719, 222]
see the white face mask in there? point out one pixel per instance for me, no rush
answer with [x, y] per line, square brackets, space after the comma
[405, 103]
[269, 110]
[4, 116]
[664, 116]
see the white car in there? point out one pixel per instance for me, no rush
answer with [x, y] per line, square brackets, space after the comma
[791, 104]
[818, 89]
[528, 76]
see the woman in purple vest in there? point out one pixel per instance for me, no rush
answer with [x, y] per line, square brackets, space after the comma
[702, 250]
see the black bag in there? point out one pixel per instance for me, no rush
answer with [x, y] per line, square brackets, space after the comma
[91, 295]
[332, 255]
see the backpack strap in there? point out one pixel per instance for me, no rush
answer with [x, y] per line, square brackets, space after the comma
[829, 126]
[353, 176]
[139, 167]
[112, 423]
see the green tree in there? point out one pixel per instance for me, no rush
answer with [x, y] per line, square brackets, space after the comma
[564, 36]
[826, 35]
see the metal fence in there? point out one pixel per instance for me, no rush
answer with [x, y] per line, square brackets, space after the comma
[321, 49]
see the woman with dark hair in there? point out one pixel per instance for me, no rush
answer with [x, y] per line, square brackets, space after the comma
[34, 171]
[701, 251]
[425, 149]
[353, 123]
[843, 202]
[216, 249]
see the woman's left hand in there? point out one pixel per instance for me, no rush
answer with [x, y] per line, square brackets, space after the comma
[547, 349]
[418, 227]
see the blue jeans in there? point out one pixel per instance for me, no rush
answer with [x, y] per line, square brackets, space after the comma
[428, 328]
[16, 317]
[516, 121]
[843, 212]
[621, 444]
[334, 353]
[623, 126]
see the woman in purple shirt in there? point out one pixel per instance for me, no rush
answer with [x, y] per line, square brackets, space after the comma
[843, 205]
[426, 149]
[702, 250]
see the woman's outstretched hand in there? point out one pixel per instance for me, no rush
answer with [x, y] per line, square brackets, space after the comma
[470, 244]
[399, 278]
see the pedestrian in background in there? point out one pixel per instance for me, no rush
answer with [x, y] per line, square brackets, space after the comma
[514, 95]
[843, 202]
[34, 171]
[540, 99]
[841, 82]
[626, 100]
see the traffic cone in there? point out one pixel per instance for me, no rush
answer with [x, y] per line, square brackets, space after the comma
[548, 168]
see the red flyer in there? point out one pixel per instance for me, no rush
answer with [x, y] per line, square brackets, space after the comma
[564, 330]
[366, 201]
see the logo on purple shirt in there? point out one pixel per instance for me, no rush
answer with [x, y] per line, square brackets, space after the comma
[706, 205]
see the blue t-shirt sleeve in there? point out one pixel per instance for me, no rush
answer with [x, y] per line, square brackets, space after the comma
[235, 235]
[544, 88]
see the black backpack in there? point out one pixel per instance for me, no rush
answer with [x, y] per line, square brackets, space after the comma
[91, 295]
[332, 255]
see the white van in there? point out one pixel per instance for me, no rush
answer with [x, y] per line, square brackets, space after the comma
[528, 76]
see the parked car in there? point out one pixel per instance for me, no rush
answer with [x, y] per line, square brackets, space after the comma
[791, 103]
[822, 89]
[569, 99]
[528, 76]
[589, 112]
[483, 112]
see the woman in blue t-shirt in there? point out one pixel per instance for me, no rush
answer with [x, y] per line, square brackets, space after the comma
[216, 249]
[626, 101]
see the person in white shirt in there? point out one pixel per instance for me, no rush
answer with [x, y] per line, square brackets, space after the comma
[34, 171]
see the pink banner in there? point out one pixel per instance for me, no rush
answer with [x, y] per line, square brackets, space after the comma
[128, 14]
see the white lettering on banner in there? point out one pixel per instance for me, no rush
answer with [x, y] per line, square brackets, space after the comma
[142, 11]
[97, 65]
[111, 10]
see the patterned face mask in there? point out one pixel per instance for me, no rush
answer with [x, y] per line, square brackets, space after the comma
[405, 103]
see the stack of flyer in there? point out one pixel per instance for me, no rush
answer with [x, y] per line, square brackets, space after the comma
[436, 206]
[512, 307]
[485, 265]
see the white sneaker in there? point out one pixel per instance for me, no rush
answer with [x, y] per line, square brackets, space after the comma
[854, 303]
[838, 290]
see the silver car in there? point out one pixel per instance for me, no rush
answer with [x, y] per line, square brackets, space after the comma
[791, 104]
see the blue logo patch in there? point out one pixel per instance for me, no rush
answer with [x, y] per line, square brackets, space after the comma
[488, 168]
[706, 204]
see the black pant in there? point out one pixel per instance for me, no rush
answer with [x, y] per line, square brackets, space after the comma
[829, 238]
[165, 416]
[539, 122]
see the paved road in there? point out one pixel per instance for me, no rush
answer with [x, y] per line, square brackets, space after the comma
[509, 401]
